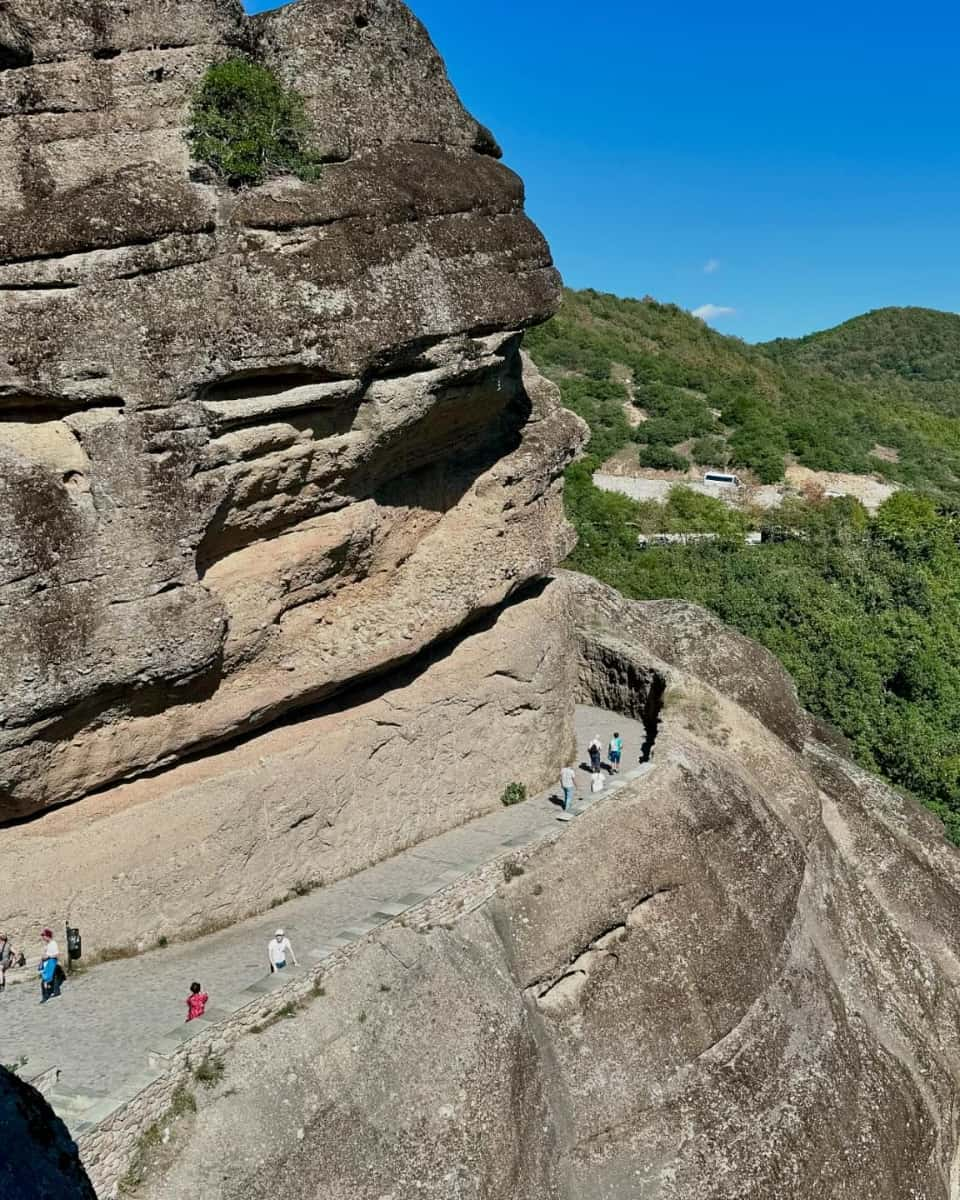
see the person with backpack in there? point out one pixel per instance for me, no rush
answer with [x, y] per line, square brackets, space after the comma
[6, 960]
[615, 753]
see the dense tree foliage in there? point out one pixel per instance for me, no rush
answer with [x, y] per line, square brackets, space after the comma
[911, 352]
[863, 611]
[890, 379]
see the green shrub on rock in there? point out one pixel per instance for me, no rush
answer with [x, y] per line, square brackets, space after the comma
[513, 793]
[246, 126]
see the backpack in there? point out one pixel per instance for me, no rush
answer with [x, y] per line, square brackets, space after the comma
[6, 955]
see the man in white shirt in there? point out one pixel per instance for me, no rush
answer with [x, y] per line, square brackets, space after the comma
[568, 782]
[279, 951]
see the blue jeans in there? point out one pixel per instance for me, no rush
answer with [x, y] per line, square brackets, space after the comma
[567, 799]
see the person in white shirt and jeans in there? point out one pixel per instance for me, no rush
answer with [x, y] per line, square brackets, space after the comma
[279, 951]
[568, 782]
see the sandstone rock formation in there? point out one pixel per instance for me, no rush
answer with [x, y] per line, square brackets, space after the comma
[255, 447]
[311, 800]
[39, 1159]
[282, 495]
[737, 978]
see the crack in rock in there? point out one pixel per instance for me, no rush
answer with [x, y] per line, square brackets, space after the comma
[564, 990]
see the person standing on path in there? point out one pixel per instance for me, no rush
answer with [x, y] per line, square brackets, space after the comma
[278, 951]
[48, 977]
[615, 753]
[51, 976]
[196, 1002]
[568, 784]
[595, 750]
[6, 959]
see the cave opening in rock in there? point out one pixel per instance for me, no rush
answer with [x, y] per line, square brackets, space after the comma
[620, 684]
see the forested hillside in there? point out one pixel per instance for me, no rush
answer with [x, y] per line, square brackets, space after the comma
[880, 394]
[907, 353]
[864, 612]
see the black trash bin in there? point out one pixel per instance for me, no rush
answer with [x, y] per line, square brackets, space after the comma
[74, 944]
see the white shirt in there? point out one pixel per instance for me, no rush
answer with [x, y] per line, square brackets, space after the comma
[567, 778]
[279, 951]
[51, 949]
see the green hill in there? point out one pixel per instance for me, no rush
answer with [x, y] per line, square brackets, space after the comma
[911, 354]
[863, 611]
[879, 394]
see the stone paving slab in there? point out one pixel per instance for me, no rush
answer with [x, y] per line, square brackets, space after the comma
[112, 1022]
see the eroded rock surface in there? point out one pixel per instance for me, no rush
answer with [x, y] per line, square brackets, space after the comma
[40, 1160]
[735, 978]
[313, 800]
[253, 446]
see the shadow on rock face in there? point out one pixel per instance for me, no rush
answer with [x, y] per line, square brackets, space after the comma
[39, 1159]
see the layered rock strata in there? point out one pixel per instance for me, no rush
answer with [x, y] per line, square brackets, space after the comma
[736, 978]
[257, 446]
[314, 799]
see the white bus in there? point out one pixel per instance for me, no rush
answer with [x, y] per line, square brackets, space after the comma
[720, 477]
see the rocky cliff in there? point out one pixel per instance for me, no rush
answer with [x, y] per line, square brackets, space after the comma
[283, 502]
[736, 978]
[255, 446]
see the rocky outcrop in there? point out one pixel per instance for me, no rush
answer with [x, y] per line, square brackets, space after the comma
[312, 800]
[256, 446]
[735, 978]
[40, 1160]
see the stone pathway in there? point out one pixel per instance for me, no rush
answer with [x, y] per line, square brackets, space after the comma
[100, 1033]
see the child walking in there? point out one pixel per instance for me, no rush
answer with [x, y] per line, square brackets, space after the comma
[196, 1002]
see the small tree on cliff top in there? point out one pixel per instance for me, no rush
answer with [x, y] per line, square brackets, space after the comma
[247, 126]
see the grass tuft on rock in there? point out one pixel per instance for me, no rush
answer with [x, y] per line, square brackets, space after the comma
[247, 127]
[209, 1071]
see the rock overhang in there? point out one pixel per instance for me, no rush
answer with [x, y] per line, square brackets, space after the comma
[189, 371]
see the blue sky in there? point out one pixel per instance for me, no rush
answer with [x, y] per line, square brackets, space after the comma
[797, 164]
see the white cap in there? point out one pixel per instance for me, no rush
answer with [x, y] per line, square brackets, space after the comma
[279, 933]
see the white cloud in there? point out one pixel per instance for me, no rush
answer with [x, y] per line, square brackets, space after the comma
[711, 266]
[711, 312]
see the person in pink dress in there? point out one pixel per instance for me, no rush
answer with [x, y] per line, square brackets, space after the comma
[196, 1002]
